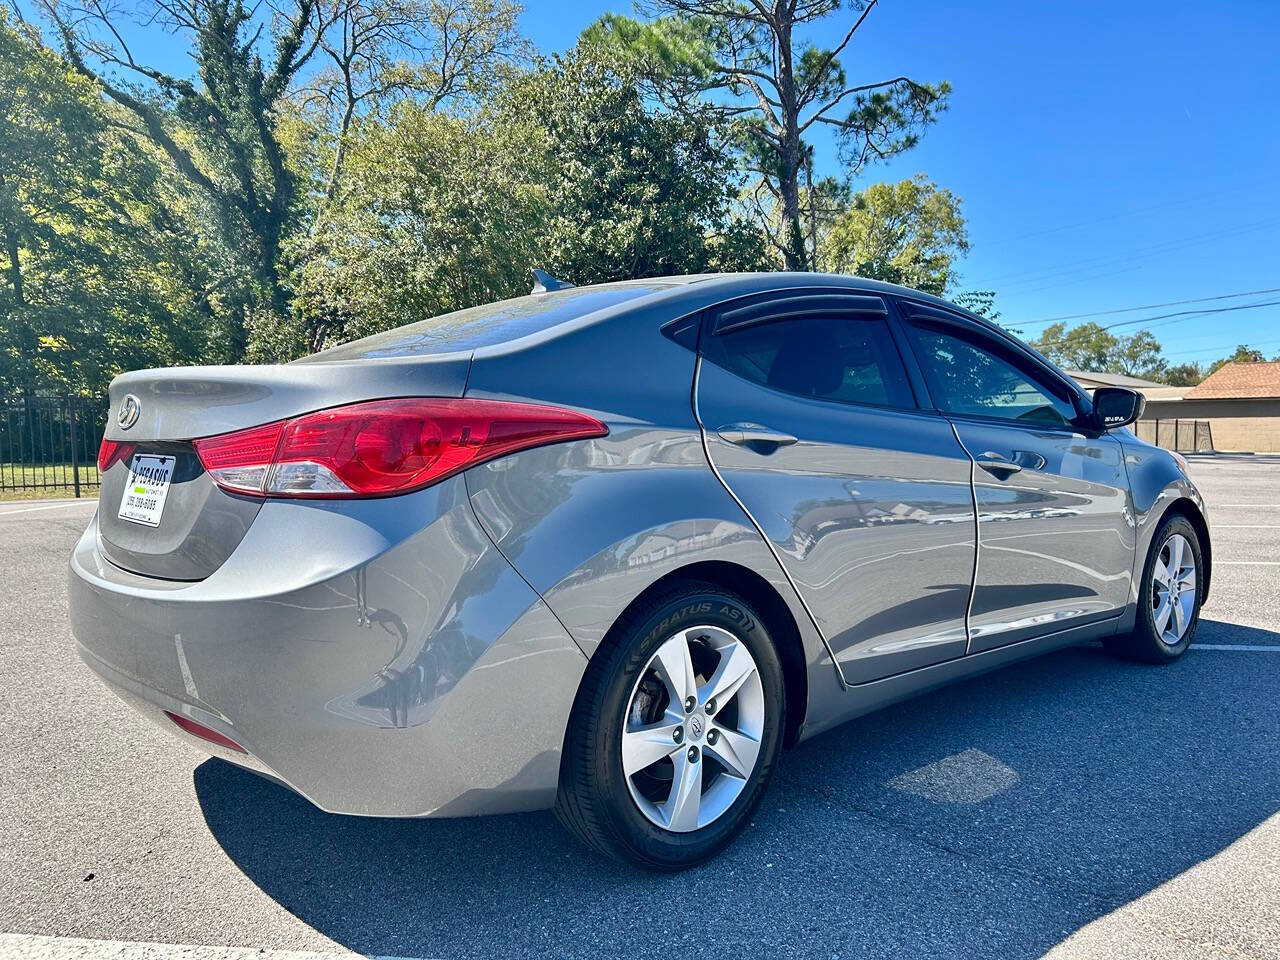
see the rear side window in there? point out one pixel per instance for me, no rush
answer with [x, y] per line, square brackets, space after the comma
[847, 358]
[970, 376]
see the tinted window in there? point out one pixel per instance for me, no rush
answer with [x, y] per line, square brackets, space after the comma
[489, 324]
[968, 375]
[847, 358]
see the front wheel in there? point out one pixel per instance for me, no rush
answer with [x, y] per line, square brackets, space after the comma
[675, 731]
[1169, 601]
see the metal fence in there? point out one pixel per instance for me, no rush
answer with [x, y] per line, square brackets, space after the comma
[1185, 436]
[51, 444]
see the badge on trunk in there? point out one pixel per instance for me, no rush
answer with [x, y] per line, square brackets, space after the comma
[130, 408]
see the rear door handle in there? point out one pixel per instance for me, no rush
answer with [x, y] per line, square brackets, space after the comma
[744, 433]
[992, 462]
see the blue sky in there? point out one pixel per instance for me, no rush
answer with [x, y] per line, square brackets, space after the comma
[1109, 154]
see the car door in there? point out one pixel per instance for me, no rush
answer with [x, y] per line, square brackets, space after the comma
[810, 420]
[1055, 528]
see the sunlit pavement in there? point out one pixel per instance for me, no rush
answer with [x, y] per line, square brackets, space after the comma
[1072, 806]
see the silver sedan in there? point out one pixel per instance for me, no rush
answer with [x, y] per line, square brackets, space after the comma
[610, 549]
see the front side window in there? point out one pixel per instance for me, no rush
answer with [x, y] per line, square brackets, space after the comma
[846, 358]
[969, 377]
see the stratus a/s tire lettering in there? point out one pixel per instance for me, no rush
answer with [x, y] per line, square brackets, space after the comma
[689, 747]
[675, 731]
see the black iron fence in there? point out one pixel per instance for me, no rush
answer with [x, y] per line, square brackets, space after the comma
[1185, 436]
[50, 444]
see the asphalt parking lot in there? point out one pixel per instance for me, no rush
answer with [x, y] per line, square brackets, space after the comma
[1072, 806]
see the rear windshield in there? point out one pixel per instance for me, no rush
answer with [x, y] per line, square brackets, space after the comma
[489, 324]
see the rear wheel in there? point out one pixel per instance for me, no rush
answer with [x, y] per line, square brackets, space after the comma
[1169, 603]
[675, 731]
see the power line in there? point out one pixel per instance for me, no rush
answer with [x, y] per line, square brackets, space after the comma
[1188, 314]
[1169, 245]
[1229, 346]
[1154, 306]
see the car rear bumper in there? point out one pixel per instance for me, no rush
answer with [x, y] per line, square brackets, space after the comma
[379, 657]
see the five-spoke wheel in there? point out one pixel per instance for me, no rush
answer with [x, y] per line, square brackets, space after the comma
[675, 731]
[693, 724]
[1172, 587]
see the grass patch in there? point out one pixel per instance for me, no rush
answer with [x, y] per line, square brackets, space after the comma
[46, 481]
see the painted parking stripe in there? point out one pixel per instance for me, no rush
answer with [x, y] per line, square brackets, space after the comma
[1246, 563]
[21, 946]
[50, 506]
[1243, 647]
[1246, 526]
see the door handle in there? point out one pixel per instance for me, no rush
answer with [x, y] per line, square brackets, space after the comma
[992, 462]
[744, 433]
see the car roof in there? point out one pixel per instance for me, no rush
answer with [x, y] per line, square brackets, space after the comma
[502, 324]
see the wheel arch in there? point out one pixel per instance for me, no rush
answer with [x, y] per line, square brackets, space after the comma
[772, 608]
[1186, 507]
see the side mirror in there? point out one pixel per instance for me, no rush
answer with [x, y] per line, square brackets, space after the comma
[1116, 407]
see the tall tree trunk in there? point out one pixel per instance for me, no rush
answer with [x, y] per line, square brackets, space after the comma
[789, 154]
[27, 342]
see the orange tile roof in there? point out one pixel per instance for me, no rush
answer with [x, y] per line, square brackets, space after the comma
[1237, 381]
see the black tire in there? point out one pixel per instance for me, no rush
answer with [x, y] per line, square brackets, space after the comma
[1144, 644]
[594, 800]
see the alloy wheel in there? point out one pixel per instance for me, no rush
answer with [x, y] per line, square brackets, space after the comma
[1173, 589]
[692, 732]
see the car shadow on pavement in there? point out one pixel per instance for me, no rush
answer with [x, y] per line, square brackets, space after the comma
[992, 818]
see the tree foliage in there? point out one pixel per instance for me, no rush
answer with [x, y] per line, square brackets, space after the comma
[749, 61]
[440, 212]
[1092, 347]
[330, 168]
[910, 232]
[101, 268]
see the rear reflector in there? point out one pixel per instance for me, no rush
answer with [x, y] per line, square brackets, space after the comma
[112, 452]
[382, 447]
[204, 733]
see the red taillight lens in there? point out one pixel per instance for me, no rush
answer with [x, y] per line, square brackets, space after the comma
[383, 447]
[241, 461]
[112, 452]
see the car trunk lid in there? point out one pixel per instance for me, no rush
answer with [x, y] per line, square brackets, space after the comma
[199, 524]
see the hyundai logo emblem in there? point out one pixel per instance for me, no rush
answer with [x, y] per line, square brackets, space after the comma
[127, 415]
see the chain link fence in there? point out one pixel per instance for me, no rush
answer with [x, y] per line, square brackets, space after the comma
[50, 445]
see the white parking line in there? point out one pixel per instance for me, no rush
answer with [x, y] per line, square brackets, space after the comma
[1246, 647]
[21, 946]
[1246, 526]
[1246, 563]
[50, 506]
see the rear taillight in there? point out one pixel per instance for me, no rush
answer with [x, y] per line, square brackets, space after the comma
[112, 452]
[382, 447]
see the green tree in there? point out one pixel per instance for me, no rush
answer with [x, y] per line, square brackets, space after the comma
[1091, 347]
[1244, 354]
[910, 232]
[102, 271]
[219, 129]
[750, 61]
[1183, 375]
[1139, 355]
[438, 214]
[441, 212]
[631, 191]
[431, 51]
